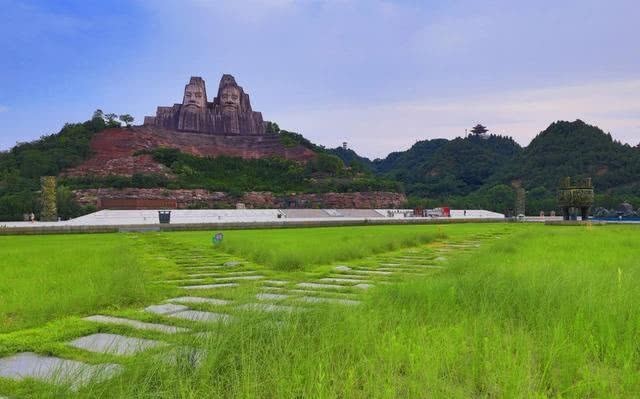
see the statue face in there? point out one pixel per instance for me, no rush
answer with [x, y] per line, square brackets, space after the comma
[193, 96]
[230, 99]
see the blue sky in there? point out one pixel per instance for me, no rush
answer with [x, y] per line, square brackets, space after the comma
[378, 74]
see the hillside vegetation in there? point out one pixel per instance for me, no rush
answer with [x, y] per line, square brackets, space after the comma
[23, 165]
[477, 171]
[480, 171]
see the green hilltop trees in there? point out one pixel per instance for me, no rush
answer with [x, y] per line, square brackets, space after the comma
[476, 171]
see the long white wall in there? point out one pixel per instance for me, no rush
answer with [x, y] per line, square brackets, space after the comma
[194, 216]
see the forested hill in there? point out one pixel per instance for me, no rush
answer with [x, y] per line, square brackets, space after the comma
[480, 170]
[439, 167]
[477, 171]
[574, 149]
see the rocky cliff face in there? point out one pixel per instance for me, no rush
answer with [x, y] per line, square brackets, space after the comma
[115, 149]
[208, 199]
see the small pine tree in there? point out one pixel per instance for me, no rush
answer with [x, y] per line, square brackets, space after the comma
[49, 210]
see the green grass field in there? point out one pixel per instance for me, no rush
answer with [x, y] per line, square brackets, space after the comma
[48, 277]
[535, 311]
[287, 249]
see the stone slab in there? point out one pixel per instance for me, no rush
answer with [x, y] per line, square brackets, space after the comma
[364, 286]
[201, 269]
[139, 325]
[203, 317]
[316, 292]
[276, 282]
[271, 297]
[197, 299]
[350, 276]
[342, 268]
[341, 280]
[239, 278]
[184, 280]
[200, 275]
[269, 307]
[232, 263]
[319, 286]
[55, 370]
[368, 271]
[165, 308]
[267, 288]
[209, 286]
[315, 299]
[114, 344]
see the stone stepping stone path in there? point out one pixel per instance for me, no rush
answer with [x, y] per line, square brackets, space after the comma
[165, 309]
[55, 370]
[185, 280]
[201, 317]
[269, 307]
[232, 263]
[342, 280]
[198, 300]
[319, 286]
[185, 313]
[315, 299]
[222, 274]
[271, 297]
[344, 285]
[209, 286]
[197, 268]
[369, 271]
[267, 288]
[350, 276]
[239, 278]
[114, 344]
[276, 282]
[138, 325]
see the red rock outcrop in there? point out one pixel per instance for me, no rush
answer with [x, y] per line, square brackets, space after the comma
[210, 199]
[114, 149]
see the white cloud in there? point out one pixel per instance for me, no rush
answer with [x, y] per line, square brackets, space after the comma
[379, 129]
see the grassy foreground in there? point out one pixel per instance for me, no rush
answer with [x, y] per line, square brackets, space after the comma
[47, 277]
[544, 312]
[294, 249]
[541, 312]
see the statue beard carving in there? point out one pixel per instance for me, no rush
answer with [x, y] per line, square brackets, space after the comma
[230, 107]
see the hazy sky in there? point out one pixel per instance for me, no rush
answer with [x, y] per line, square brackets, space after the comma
[379, 74]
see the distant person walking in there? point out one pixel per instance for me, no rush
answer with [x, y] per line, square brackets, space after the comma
[32, 217]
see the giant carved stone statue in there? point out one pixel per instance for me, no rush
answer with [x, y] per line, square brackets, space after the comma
[230, 112]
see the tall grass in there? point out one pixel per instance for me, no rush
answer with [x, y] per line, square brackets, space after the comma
[548, 312]
[293, 249]
[46, 277]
